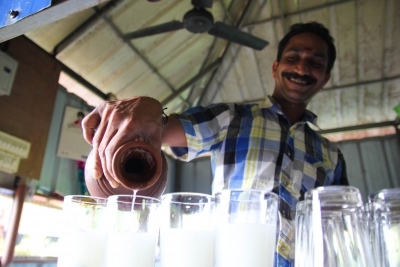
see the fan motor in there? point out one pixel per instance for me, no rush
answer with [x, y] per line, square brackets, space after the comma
[198, 20]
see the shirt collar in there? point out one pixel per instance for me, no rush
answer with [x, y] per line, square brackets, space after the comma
[273, 105]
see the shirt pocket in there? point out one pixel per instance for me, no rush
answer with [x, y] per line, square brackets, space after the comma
[316, 173]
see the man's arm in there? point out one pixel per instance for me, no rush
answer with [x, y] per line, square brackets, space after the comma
[173, 133]
[115, 123]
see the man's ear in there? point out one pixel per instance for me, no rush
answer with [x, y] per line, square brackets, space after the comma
[274, 67]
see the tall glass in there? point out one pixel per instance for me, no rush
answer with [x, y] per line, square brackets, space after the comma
[386, 209]
[331, 229]
[187, 230]
[84, 236]
[246, 228]
[134, 227]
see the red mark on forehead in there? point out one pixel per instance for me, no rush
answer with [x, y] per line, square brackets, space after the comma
[308, 48]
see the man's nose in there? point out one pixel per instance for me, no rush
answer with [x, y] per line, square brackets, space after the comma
[302, 68]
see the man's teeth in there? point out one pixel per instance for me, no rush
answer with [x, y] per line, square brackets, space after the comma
[297, 80]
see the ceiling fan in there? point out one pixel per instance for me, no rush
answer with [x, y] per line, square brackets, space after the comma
[199, 20]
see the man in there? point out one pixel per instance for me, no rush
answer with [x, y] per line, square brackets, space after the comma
[267, 146]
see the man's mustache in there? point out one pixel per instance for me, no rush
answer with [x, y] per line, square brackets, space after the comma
[308, 79]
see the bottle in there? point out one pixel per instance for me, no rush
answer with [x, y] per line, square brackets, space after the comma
[137, 167]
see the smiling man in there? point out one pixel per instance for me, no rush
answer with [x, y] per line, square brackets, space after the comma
[265, 146]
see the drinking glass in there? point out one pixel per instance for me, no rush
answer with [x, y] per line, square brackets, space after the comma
[133, 231]
[303, 254]
[187, 230]
[386, 209]
[84, 236]
[246, 227]
[330, 229]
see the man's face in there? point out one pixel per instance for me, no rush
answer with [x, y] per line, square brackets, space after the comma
[301, 72]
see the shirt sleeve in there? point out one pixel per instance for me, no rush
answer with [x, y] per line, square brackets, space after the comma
[340, 171]
[205, 129]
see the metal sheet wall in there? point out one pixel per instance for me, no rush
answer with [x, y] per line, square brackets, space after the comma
[194, 176]
[372, 163]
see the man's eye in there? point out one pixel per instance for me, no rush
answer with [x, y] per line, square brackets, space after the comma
[317, 64]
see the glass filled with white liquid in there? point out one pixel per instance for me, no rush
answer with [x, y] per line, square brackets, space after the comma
[83, 238]
[246, 228]
[187, 230]
[133, 231]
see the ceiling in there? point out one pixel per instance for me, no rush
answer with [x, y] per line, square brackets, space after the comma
[182, 69]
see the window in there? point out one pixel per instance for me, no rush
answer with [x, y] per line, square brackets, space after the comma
[39, 228]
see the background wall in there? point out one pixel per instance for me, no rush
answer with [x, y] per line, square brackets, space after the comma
[372, 163]
[26, 113]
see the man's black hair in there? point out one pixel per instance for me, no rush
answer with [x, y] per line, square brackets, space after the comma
[80, 114]
[314, 28]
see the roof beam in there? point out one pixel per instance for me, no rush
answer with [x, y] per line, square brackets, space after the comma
[73, 74]
[193, 80]
[238, 25]
[226, 12]
[360, 127]
[385, 79]
[58, 10]
[283, 16]
[84, 26]
[210, 51]
[142, 57]
[84, 82]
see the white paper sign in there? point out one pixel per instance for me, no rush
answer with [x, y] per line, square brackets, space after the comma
[71, 144]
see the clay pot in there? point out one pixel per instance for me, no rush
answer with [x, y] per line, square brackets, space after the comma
[137, 166]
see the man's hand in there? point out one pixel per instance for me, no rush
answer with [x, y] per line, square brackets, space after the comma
[115, 123]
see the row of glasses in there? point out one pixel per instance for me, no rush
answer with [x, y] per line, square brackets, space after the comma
[334, 228]
[331, 229]
[236, 228]
[121, 230]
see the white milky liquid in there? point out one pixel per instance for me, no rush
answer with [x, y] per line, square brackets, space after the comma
[133, 200]
[186, 248]
[82, 248]
[245, 245]
[131, 250]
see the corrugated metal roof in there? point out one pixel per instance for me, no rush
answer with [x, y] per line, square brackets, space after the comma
[172, 67]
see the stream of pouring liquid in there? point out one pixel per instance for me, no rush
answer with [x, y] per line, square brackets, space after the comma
[133, 200]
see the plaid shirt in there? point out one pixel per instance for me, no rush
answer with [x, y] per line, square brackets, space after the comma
[255, 146]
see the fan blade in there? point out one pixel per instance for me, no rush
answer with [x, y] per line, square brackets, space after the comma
[162, 28]
[232, 34]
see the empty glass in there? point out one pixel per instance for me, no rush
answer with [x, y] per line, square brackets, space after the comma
[133, 231]
[330, 231]
[187, 230]
[84, 236]
[386, 227]
[246, 228]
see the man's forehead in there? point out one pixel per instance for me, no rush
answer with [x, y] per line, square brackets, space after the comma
[309, 50]
[307, 42]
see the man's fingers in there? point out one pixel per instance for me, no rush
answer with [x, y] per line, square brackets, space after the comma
[89, 126]
[102, 141]
[97, 170]
[106, 173]
[97, 141]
